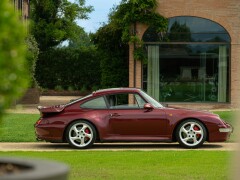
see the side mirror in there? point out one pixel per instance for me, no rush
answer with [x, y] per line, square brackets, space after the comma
[148, 106]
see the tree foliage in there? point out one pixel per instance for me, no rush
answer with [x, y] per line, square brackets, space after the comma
[32, 56]
[54, 20]
[13, 70]
[114, 56]
[130, 12]
[80, 39]
[112, 39]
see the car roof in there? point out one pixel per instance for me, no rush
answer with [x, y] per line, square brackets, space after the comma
[115, 90]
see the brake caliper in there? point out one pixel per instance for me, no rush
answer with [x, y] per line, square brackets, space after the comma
[196, 128]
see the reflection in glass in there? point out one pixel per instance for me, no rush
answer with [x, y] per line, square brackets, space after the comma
[187, 73]
[188, 29]
[190, 63]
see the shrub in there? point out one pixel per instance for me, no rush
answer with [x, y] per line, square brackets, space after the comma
[114, 56]
[32, 55]
[68, 67]
[13, 71]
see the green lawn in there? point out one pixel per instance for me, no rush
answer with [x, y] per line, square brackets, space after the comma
[228, 116]
[140, 165]
[19, 127]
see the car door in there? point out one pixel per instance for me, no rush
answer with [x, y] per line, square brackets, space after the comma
[128, 118]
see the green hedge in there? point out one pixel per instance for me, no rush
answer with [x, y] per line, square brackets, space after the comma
[69, 69]
[114, 67]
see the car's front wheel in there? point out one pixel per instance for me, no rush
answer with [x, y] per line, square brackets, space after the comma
[191, 133]
[81, 134]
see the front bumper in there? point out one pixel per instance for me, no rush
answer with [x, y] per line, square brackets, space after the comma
[220, 133]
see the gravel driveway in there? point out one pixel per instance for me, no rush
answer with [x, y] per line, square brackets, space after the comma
[43, 146]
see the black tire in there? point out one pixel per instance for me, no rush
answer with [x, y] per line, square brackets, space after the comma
[81, 134]
[191, 133]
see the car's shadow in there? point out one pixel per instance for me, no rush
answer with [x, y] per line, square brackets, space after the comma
[129, 146]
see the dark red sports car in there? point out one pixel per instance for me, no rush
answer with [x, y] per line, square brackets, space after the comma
[127, 114]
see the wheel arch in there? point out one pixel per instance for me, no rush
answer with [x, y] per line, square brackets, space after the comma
[174, 138]
[65, 129]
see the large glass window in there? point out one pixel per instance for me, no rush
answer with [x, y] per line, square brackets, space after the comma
[189, 63]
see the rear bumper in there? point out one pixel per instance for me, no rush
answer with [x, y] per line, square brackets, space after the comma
[46, 133]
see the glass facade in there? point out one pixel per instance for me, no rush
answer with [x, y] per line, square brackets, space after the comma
[188, 63]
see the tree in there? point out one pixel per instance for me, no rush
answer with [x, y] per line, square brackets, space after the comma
[13, 70]
[113, 56]
[80, 39]
[54, 20]
[112, 39]
[130, 12]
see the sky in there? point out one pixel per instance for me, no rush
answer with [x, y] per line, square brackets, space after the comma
[99, 15]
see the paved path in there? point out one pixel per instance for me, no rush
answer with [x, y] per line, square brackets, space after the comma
[44, 101]
[43, 146]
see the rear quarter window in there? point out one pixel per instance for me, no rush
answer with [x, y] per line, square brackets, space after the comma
[98, 103]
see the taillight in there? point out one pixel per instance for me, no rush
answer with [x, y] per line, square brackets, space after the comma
[42, 121]
[39, 121]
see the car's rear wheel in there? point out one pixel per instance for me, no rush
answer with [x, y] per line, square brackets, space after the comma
[191, 133]
[81, 134]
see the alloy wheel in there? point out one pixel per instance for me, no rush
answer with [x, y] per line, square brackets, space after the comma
[191, 134]
[81, 134]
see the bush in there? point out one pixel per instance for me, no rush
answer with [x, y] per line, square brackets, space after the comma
[68, 68]
[13, 71]
[32, 55]
[114, 56]
[114, 66]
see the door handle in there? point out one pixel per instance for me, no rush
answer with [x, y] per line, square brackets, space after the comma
[114, 115]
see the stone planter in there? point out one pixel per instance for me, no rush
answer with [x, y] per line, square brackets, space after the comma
[32, 169]
[31, 96]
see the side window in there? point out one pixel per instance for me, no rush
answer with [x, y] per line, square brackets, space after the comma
[125, 101]
[98, 103]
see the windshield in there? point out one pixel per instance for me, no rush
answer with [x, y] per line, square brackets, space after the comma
[152, 101]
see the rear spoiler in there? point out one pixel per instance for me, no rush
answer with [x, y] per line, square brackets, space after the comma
[51, 109]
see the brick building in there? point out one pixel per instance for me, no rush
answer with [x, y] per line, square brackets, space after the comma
[23, 6]
[196, 62]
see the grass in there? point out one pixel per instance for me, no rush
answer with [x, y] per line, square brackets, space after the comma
[228, 116]
[139, 165]
[19, 127]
